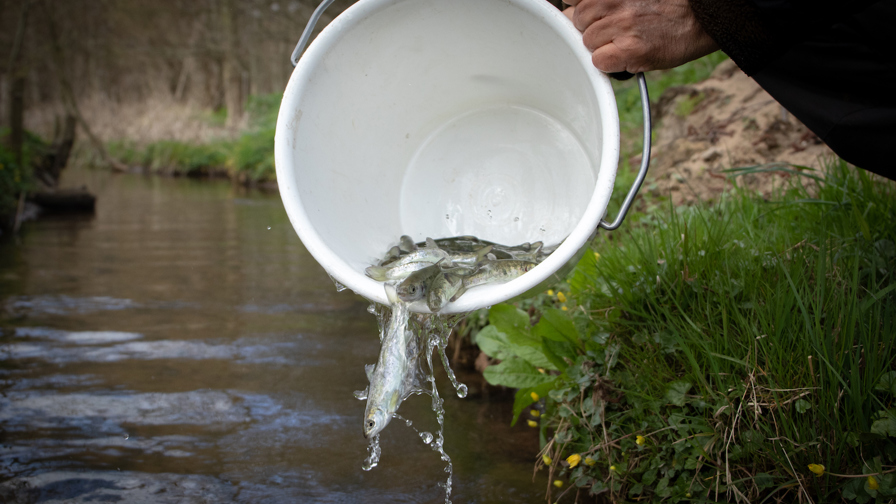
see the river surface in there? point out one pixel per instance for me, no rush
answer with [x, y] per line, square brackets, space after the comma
[181, 345]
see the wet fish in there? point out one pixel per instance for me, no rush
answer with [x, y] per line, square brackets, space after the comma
[389, 383]
[414, 286]
[445, 287]
[398, 272]
[499, 271]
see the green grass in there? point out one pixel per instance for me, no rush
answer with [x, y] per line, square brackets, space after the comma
[249, 157]
[742, 342]
[16, 179]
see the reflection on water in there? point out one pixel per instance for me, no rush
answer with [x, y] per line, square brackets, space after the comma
[182, 346]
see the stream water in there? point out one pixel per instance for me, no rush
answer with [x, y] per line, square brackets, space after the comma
[181, 345]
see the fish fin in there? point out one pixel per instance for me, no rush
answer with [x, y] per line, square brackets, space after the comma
[406, 244]
[369, 370]
[491, 257]
[376, 272]
[391, 293]
[430, 243]
[460, 290]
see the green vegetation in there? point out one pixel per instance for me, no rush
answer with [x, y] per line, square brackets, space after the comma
[15, 179]
[249, 157]
[716, 353]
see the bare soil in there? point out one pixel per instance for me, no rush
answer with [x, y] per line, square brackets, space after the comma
[726, 121]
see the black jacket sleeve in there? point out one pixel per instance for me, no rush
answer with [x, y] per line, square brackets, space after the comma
[755, 32]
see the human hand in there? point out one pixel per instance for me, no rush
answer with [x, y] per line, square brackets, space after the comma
[639, 35]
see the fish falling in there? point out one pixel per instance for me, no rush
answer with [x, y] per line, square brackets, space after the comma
[439, 272]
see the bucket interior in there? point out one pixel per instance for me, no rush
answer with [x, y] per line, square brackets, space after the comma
[436, 119]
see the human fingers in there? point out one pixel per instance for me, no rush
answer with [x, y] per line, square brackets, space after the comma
[568, 12]
[589, 11]
[571, 2]
[610, 59]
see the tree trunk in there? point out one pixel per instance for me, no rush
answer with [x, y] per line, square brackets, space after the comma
[230, 71]
[17, 90]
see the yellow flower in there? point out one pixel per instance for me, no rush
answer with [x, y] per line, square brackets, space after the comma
[872, 483]
[590, 461]
[818, 469]
[561, 297]
[558, 483]
[574, 460]
[535, 413]
[534, 396]
[541, 370]
[564, 308]
[533, 423]
[547, 460]
[550, 292]
[612, 468]
[639, 440]
[596, 256]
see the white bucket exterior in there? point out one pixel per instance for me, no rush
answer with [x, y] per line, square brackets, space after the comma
[436, 118]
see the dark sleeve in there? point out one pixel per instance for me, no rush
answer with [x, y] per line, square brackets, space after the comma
[755, 32]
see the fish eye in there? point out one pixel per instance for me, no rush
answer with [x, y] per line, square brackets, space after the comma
[371, 424]
[413, 289]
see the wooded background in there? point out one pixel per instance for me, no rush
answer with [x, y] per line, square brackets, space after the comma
[146, 69]
[209, 54]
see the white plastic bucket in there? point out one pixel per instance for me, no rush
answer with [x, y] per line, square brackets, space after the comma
[435, 119]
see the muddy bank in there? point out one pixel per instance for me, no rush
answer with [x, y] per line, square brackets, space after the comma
[726, 121]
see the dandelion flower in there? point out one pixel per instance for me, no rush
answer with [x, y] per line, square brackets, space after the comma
[564, 308]
[589, 461]
[535, 413]
[613, 468]
[550, 292]
[573, 460]
[534, 396]
[561, 297]
[872, 483]
[533, 423]
[558, 483]
[547, 460]
[639, 440]
[596, 256]
[818, 469]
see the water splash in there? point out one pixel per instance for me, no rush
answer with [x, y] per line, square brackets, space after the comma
[373, 453]
[339, 286]
[430, 333]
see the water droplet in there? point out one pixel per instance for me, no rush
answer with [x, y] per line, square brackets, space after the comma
[361, 394]
[127, 436]
[408, 422]
[426, 437]
[461, 390]
[269, 228]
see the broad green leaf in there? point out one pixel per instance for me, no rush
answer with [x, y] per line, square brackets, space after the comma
[508, 319]
[516, 373]
[887, 383]
[555, 358]
[802, 406]
[885, 425]
[561, 349]
[492, 341]
[677, 391]
[556, 325]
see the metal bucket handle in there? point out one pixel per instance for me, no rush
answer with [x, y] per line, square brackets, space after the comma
[645, 110]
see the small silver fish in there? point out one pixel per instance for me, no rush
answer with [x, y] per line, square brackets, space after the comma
[500, 271]
[444, 287]
[398, 272]
[389, 379]
[414, 286]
